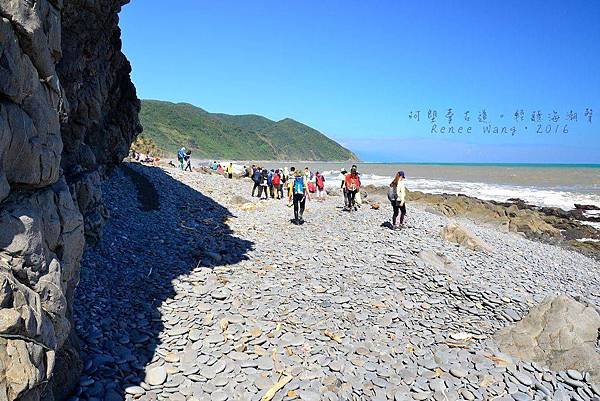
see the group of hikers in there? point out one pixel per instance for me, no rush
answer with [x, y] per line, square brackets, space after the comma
[218, 167]
[298, 186]
[184, 157]
[271, 183]
[139, 157]
[301, 184]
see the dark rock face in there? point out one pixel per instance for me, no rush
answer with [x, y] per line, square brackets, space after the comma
[103, 106]
[68, 113]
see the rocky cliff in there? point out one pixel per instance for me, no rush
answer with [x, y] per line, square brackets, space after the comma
[68, 112]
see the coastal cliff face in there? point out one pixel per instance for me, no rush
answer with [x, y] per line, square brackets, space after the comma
[68, 112]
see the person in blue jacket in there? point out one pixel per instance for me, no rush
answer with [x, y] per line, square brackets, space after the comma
[256, 178]
[181, 157]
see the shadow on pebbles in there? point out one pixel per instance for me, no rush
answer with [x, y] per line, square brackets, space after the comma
[203, 299]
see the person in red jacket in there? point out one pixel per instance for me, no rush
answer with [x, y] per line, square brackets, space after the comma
[352, 187]
[277, 184]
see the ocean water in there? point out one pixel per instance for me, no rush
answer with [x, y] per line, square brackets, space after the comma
[543, 185]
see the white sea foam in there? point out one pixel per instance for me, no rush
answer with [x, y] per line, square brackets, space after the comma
[587, 240]
[537, 196]
[594, 224]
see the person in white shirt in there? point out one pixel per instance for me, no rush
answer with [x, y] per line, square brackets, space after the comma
[399, 204]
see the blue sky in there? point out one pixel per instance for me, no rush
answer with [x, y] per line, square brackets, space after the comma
[355, 70]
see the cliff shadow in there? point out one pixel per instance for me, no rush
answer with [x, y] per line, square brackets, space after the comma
[159, 230]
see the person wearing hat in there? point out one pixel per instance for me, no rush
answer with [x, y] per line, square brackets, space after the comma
[343, 186]
[399, 202]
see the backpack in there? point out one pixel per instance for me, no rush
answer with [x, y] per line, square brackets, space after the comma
[299, 185]
[311, 187]
[354, 184]
[392, 194]
[320, 182]
[276, 180]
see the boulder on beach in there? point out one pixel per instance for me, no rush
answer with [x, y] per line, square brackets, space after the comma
[248, 207]
[454, 232]
[560, 333]
[238, 200]
[507, 217]
[437, 260]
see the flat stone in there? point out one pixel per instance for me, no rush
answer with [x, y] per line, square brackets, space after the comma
[341, 300]
[219, 395]
[135, 390]
[263, 383]
[156, 376]
[574, 383]
[401, 396]
[189, 370]
[220, 294]
[291, 339]
[467, 395]
[171, 357]
[308, 395]
[574, 374]
[265, 363]
[437, 385]
[112, 395]
[524, 378]
[518, 396]
[177, 396]
[195, 335]
[238, 356]
[421, 395]
[215, 338]
[458, 372]
[178, 331]
[511, 313]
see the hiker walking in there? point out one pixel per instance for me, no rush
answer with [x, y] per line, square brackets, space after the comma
[270, 183]
[264, 184]
[229, 171]
[277, 184]
[343, 174]
[181, 157]
[397, 196]
[352, 182]
[308, 175]
[320, 183]
[188, 160]
[300, 194]
[283, 175]
[256, 174]
[290, 185]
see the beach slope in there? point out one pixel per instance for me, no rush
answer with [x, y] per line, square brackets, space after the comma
[215, 295]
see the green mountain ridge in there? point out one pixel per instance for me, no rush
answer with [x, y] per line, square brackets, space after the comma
[240, 137]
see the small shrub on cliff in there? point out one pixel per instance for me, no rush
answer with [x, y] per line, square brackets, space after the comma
[146, 146]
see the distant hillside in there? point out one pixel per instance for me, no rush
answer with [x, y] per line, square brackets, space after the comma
[245, 137]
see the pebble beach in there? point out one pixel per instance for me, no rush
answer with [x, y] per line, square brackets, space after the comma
[197, 291]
